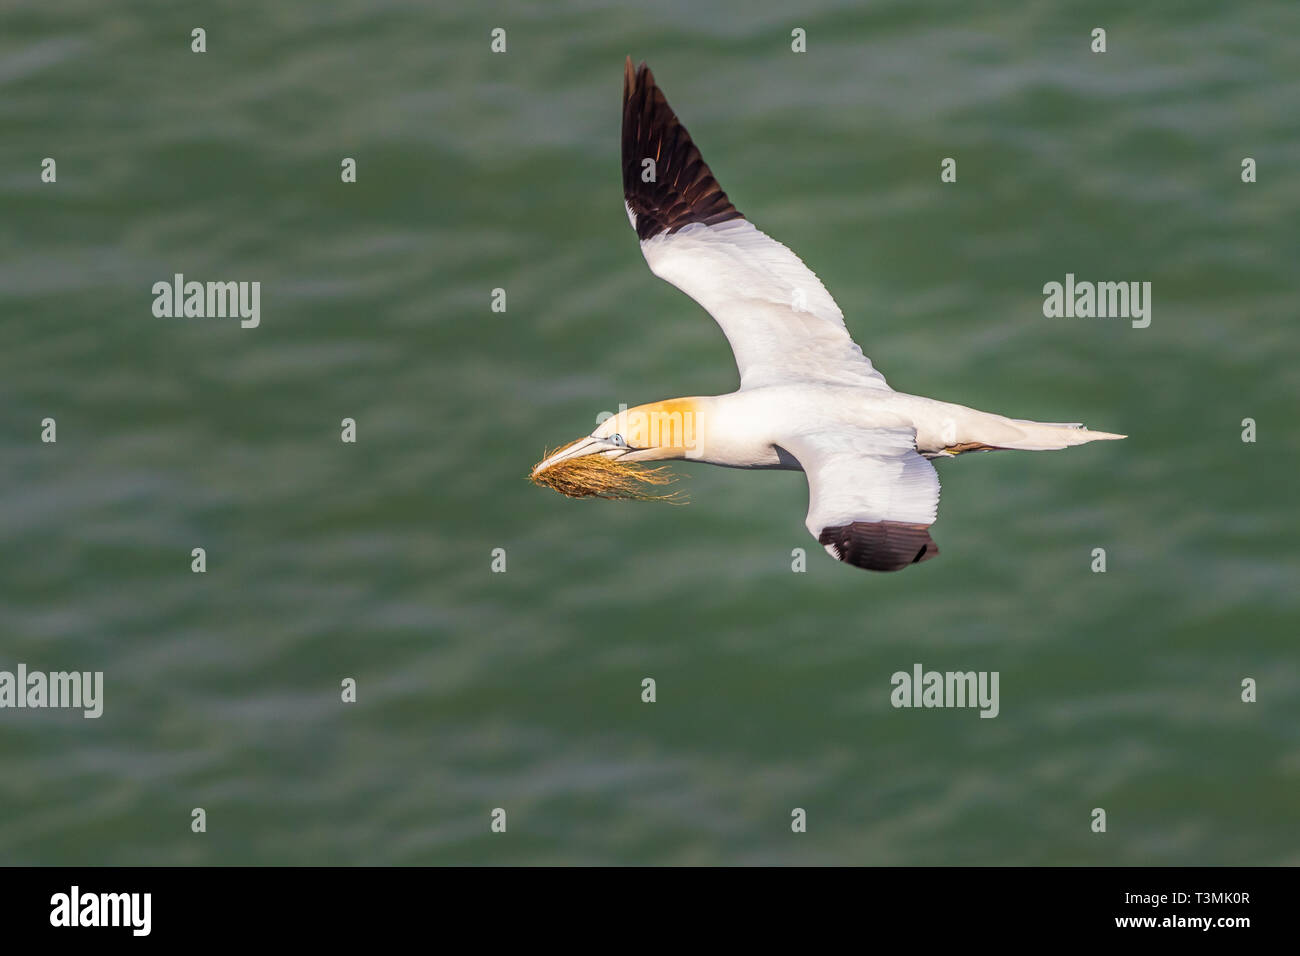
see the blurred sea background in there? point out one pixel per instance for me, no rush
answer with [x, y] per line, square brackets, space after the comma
[522, 690]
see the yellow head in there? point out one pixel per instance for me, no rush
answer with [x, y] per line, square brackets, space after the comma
[605, 464]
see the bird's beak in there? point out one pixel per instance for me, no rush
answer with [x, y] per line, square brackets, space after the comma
[580, 449]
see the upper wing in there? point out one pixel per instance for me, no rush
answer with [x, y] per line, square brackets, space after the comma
[871, 496]
[782, 324]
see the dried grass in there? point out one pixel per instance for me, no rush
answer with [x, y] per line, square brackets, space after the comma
[595, 476]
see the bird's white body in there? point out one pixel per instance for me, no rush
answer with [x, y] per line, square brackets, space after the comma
[750, 427]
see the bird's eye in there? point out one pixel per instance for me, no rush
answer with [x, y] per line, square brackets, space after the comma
[618, 440]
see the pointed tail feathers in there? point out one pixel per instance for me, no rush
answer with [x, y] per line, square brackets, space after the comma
[1051, 436]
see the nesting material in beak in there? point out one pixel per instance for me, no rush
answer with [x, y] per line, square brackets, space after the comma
[595, 476]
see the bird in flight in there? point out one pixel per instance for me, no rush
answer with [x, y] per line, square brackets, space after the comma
[808, 400]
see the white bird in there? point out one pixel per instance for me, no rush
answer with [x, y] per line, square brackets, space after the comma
[808, 399]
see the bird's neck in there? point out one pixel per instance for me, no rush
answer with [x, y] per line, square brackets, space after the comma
[731, 429]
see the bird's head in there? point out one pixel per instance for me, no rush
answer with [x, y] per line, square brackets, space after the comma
[606, 463]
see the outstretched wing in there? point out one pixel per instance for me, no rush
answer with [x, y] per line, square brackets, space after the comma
[782, 324]
[871, 496]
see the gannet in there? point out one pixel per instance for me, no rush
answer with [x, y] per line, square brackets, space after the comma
[808, 400]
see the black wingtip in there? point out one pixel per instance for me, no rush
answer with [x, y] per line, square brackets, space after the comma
[682, 190]
[880, 545]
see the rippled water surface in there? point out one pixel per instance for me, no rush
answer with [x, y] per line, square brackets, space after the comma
[522, 690]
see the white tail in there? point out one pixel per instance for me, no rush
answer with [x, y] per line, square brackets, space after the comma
[944, 429]
[1051, 436]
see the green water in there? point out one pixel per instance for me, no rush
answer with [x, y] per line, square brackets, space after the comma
[521, 690]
